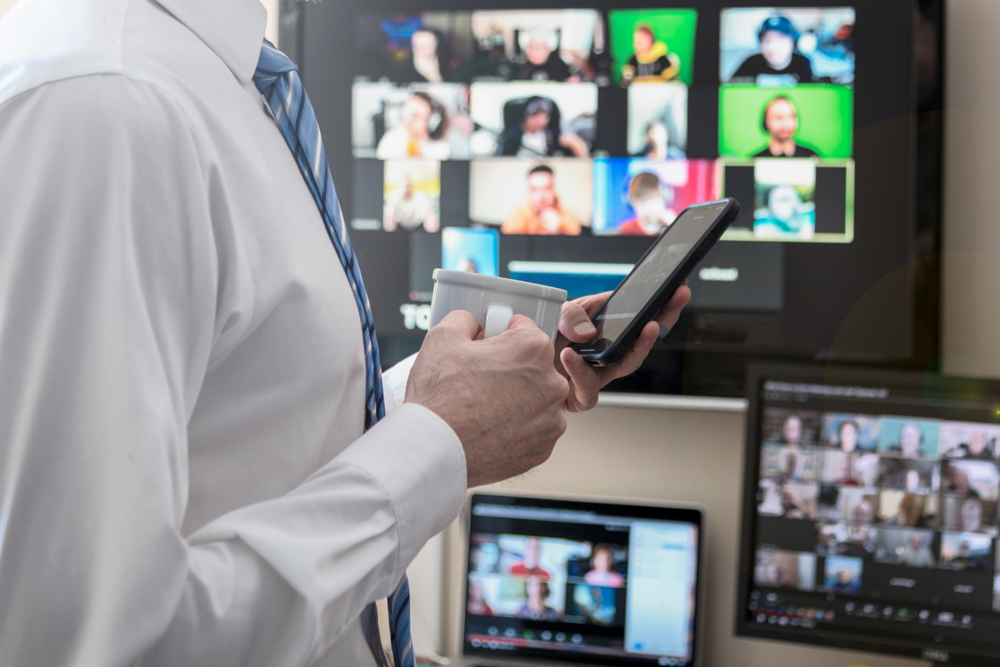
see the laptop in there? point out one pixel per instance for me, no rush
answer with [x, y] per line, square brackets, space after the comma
[581, 581]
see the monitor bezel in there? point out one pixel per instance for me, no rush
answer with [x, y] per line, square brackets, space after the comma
[691, 513]
[943, 650]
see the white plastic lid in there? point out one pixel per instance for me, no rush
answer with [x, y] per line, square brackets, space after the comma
[499, 284]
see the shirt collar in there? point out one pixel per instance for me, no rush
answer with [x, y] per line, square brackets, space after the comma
[233, 29]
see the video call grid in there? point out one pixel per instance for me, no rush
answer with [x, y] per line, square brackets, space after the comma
[414, 211]
[879, 506]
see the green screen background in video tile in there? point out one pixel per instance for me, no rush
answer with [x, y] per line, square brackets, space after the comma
[826, 118]
[674, 27]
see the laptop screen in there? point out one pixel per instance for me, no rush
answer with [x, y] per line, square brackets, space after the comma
[582, 581]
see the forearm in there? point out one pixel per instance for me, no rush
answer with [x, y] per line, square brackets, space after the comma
[297, 571]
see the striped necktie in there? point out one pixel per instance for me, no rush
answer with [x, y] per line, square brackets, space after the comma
[278, 81]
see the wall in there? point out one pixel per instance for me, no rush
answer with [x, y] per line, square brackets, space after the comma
[971, 317]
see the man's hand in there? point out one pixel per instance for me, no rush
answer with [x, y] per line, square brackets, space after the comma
[575, 327]
[503, 397]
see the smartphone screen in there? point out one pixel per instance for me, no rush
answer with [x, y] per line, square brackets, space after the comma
[640, 286]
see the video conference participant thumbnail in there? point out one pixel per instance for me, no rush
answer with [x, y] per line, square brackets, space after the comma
[909, 438]
[425, 47]
[790, 464]
[652, 46]
[541, 45]
[531, 197]
[534, 120]
[975, 479]
[658, 121]
[429, 121]
[787, 47]
[907, 509]
[848, 503]
[966, 552]
[910, 547]
[848, 469]
[910, 475]
[842, 575]
[793, 200]
[412, 195]
[850, 432]
[789, 500]
[639, 197]
[969, 514]
[784, 203]
[785, 569]
[471, 250]
[980, 442]
[845, 539]
[805, 121]
[781, 122]
[548, 579]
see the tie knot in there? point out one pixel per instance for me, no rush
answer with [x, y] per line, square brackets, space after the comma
[271, 66]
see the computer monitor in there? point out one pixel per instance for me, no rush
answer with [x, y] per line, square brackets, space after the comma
[552, 143]
[582, 581]
[870, 515]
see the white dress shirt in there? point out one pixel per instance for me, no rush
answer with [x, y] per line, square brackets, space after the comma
[184, 477]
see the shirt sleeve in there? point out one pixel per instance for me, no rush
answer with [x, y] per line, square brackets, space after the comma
[394, 383]
[109, 279]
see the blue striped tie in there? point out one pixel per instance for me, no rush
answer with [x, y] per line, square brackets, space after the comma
[278, 81]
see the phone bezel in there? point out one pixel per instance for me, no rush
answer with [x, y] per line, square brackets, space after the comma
[617, 349]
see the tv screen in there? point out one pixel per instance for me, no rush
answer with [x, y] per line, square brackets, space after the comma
[553, 143]
[871, 512]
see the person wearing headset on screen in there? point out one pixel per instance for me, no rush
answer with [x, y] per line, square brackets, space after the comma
[538, 136]
[422, 131]
[781, 122]
[542, 59]
[778, 63]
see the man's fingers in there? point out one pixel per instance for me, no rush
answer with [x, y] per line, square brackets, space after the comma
[520, 322]
[575, 324]
[460, 323]
[633, 359]
[584, 380]
[670, 312]
[591, 304]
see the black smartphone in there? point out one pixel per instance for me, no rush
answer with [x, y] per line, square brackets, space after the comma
[655, 278]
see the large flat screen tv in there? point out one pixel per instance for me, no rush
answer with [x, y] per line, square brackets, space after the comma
[870, 515]
[551, 142]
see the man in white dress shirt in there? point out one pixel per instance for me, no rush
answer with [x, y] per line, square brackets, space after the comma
[184, 473]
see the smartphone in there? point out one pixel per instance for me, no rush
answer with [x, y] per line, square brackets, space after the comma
[655, 278]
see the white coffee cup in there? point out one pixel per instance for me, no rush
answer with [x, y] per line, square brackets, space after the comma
[493, 301]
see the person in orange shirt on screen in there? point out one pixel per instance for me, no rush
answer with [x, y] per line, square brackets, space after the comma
[542, 213]
[650, 200]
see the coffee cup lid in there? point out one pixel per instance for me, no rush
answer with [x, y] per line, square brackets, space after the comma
[499, 284]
